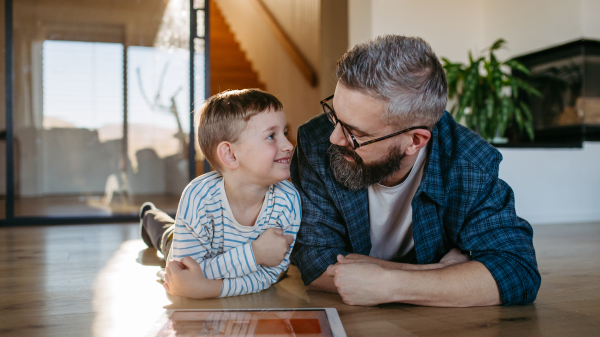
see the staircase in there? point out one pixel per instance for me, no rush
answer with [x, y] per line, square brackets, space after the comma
[229, 68]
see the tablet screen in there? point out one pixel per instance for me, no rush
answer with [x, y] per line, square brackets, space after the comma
[244, 323]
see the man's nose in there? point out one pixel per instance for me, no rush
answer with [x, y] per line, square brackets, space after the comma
[337, 136]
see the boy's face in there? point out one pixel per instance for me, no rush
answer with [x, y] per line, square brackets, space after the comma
[263, 150]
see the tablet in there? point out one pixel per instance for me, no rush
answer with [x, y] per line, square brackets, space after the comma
[249, 323]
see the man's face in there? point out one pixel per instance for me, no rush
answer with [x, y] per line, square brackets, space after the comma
[371, 164]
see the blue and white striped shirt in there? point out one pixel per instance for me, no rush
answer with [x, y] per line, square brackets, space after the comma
[206, 230]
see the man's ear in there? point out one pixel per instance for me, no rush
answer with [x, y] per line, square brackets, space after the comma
[226, 154]
[419, 140]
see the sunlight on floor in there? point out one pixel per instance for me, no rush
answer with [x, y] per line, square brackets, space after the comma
[127, 298]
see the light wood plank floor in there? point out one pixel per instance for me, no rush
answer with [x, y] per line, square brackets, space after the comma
[99, 281]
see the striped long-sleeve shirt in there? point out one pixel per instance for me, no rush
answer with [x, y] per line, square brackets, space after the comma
[206, 230]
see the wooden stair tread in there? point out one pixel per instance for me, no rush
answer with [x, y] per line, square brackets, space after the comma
[229, 67]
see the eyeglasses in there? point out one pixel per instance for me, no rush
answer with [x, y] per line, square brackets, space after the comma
[330, 113]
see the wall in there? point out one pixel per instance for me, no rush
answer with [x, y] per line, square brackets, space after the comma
[453, 27]
[301, 20]
[590, 9]
[532, 25]
[554, 185]
[433, 20]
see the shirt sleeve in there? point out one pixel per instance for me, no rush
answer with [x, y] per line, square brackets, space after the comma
[263, 277]
[195, 241]
[501, 241]
[322, 235]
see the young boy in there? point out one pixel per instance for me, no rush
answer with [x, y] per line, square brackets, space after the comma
[235, 226]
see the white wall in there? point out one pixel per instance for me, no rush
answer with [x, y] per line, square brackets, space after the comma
[590, 10]
[454, 27]
[450, 27]
[554, 185]
[532, 25]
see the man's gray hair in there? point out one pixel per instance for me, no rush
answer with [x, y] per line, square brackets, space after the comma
[404, 71]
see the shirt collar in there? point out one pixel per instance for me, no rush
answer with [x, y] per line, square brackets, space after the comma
[432, 183]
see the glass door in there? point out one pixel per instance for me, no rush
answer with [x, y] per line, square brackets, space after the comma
[102, 106]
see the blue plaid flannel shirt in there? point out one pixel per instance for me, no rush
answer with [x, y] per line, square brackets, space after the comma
[461, 203]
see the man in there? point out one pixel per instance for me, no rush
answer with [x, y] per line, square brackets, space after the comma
[400, 203]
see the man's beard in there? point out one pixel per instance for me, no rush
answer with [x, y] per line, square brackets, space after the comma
[358, 175]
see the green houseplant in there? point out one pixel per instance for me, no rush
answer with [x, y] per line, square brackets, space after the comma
[488, 95]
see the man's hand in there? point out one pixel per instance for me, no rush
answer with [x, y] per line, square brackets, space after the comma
[359, 283]
[454, 256]
[185, 278]
[271, 246]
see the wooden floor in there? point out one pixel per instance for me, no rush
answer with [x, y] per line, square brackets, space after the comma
[99, 281]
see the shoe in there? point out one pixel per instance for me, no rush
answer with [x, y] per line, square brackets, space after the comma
[143, 209]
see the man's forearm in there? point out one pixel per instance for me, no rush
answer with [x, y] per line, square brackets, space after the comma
[462, 285]
[325, 282]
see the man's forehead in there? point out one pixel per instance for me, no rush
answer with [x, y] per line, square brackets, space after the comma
[353, 106]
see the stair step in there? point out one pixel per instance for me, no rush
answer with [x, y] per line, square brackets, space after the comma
[229, 67]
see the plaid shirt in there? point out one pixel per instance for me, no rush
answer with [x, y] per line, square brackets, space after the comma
[461, 203]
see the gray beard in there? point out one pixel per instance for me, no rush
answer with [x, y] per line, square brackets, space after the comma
[358, 175]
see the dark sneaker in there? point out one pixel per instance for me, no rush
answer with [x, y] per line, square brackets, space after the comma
[143, 209]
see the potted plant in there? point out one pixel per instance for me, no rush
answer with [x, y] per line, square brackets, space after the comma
[488, 95]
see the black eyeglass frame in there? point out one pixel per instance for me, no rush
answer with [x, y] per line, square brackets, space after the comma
[355, 144]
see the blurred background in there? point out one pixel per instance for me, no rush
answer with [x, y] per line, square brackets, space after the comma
[102, 91]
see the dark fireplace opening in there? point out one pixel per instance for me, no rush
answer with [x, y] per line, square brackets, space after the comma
[569, 78]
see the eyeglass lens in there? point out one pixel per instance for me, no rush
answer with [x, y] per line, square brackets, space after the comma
[333, 119]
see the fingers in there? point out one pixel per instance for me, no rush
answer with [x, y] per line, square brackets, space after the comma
[189, 263]
[173, 267]
[167, 278]
[341, 258]
[167, 288]
[331, 270]
[277, 231]
[288, 239]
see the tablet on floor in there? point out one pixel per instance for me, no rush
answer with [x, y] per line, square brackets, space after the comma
[249, 322]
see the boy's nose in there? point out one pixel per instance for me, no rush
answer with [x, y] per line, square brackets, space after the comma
[287, 146]
[337, 136]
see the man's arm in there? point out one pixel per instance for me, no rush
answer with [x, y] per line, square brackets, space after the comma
[325, 282]
[502, 242]
[461, 285]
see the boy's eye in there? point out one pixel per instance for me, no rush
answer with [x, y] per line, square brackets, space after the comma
[271, 136]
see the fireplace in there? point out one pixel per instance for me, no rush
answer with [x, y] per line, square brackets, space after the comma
[569, 78]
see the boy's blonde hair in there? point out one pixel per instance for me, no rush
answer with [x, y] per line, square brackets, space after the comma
[224, 116]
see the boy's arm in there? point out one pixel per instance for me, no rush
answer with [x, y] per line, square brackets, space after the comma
[265, 275]
[268, 249]
[195, 242]
[259, 280]
[185, 278]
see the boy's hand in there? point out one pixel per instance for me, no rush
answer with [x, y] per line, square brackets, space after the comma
[271, 246]
[185, 278]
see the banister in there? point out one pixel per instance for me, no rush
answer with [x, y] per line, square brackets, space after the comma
[299, 60]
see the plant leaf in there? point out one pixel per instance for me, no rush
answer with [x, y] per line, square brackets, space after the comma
[514, 64]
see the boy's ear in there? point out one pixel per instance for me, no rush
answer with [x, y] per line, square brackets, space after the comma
[226, 154]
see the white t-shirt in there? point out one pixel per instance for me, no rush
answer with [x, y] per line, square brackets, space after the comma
[390, 214]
